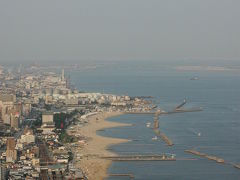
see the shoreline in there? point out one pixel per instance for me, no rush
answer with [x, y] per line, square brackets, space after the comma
[92, 165]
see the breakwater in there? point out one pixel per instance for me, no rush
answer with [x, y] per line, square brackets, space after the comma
[209, 157]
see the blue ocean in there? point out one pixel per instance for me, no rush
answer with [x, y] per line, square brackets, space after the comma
[215, 130]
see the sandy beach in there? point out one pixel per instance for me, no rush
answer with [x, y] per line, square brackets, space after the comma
[94, 167]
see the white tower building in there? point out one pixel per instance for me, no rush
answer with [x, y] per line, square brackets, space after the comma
[62, 77]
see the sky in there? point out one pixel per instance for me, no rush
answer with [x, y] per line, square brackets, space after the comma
[77, 30]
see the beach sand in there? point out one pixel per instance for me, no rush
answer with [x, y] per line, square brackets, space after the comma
[93, 166]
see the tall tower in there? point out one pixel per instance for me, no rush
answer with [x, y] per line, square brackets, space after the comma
[63, 76]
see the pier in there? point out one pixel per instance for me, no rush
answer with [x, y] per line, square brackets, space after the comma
[127, 112]
[159, 113]
[213, 158]
[178, 109]
[140, 158]
[163, 137]
[156, 123]
[160, 134]
[182, 111]
[131, 176]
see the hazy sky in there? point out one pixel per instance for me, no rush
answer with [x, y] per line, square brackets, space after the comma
[119, 29]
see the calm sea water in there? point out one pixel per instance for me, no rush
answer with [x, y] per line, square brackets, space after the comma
[219, 124]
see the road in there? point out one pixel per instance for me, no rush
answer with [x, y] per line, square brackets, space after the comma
[24, 124]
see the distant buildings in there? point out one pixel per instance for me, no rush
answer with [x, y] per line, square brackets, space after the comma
[71, 101]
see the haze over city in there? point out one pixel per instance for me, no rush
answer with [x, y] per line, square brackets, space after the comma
[127, 89]
[119, 30]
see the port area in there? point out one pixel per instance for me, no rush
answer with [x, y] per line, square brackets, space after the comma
[141, 158]
[213, 158]
[163, 137]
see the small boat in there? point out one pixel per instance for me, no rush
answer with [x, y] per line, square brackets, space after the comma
[155, 138]
[199, 134]
[148, 124]
[194, 78]
[237, 166]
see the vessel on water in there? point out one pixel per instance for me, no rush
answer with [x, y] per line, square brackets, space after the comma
[237, 166]
[194, 78]
[148, 124]
[155, 138]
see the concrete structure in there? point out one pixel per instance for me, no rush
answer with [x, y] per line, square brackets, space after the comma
[11, 153]
[6, 105]
[14, 121]
[62, 76]
[47, 118]
[71, 101]
[28, 137]
[36, 162]
[26, 108]
[10, 110]
[47, 128]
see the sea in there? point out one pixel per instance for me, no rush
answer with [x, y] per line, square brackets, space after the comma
[214, 131]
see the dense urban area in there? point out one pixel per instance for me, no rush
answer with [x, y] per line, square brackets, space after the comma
[38, 110]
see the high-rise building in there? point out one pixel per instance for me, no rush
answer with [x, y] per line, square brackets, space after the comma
[26, 108]
[63, 76]
[15, 121]
[6, 105]
[11, 153]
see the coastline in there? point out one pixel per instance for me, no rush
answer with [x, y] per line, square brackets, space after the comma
[93, 166]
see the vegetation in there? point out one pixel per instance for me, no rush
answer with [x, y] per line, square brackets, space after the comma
[37, 123]
[70, 156]
[65, 138]
[48, 107]
[60, 119]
